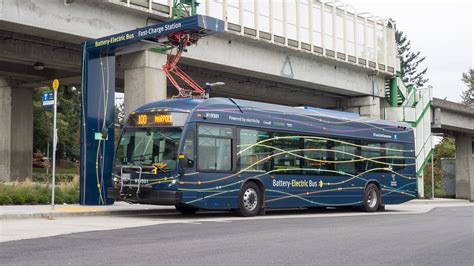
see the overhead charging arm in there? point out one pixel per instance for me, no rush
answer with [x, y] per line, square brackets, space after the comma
[181, 41]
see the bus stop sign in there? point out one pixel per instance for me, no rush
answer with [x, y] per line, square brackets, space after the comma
[48, 99]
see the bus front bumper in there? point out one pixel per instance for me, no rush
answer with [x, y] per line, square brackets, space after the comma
[145, 196]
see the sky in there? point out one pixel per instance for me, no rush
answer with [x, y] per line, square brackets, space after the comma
[442, 30]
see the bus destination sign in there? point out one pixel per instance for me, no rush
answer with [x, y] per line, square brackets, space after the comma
[148, 119]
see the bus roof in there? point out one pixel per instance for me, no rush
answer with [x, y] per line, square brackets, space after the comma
[229, 111]
[191, 105]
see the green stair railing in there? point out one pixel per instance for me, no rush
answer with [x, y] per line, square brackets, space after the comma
[412, 105]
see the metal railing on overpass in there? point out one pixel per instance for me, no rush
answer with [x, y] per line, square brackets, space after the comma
[327, 28]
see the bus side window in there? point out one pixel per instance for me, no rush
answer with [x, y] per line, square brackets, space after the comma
[254, 150]
[395, 155]
[345, 156]
[316, 156]
[373, 157]
[214, 148]
[188, 149]
[287, 150]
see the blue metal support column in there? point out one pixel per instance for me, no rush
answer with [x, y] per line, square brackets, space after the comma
[98, 96]
[97, 134]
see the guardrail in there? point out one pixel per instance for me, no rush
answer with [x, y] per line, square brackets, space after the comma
[424, 139]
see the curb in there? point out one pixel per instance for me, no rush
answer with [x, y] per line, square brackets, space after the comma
[52, 215]
[438, 202]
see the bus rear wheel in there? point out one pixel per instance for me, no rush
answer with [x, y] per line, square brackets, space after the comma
[372, 198]
[186, 209]
[250, 200]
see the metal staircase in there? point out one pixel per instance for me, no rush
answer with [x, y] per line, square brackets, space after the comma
[400, 97]
[412, 105]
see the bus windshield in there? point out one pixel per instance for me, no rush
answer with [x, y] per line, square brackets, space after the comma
[148, 146]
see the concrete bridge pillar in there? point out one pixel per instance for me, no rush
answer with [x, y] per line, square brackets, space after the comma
[5, 129]
[368, 106]
[465, 166]
[144, 79]
[16, 132]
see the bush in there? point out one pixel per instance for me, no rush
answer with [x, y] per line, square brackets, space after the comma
[18, 198]
[5, 200]
[27, 192]
[46, 178]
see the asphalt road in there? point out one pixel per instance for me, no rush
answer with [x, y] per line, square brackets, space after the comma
[443, 236]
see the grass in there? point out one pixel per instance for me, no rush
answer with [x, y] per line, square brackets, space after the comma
[62, 175]
[59, 170]
[30, 193]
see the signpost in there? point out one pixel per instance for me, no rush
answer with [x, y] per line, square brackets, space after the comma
[55, 137]
[48, 101]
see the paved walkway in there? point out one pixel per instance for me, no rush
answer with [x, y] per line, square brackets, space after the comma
[68, 210]
[122, 208]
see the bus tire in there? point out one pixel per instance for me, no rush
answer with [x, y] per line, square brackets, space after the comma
[250, 200]
[372, 198]
[186, 209]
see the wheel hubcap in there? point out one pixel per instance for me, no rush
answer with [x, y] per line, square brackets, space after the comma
[250, 199]
[372, 198]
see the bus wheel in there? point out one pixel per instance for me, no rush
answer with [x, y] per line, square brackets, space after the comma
[185, 209]
[371, 198]
[249, 200]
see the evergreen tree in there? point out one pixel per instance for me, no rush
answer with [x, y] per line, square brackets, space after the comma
[468, 95]
[409, 61]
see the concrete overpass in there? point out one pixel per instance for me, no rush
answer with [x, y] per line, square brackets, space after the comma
[457, 120]
[50, 32]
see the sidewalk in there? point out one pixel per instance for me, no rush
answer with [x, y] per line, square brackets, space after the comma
[122, 208]
[426, 205]
[70, 210]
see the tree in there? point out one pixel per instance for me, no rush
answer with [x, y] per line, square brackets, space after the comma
[409, 61]
[68, 123]
[119, 118]
[468, 95]
[119, 112]
[445, 149]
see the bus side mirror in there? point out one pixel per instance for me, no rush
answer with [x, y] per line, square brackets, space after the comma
[185, 161]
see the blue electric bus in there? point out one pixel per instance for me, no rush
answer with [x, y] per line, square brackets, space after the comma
[246, 156]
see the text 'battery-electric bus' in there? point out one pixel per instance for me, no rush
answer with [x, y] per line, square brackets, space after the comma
[229, 154]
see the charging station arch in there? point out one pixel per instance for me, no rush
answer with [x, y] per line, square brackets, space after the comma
[98, 95]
